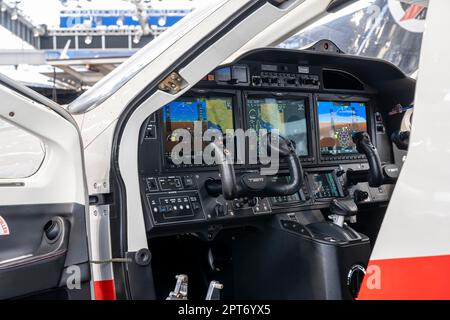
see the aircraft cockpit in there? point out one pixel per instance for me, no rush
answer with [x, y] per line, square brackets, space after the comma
[335, 175]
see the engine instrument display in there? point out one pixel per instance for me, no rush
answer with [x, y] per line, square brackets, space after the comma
[286, 115]
[338, 120]
[324, 185]
[196, 115]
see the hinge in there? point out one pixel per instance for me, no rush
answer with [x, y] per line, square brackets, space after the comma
[173, 84]
[112, 260]
[100, 199]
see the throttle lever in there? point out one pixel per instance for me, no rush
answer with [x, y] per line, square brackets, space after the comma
[342, 209]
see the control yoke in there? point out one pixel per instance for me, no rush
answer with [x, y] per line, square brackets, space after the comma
[254, 184]
[375, 173]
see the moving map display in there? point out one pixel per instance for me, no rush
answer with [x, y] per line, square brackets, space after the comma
[187, 113]
[286, 115]
[337, 122]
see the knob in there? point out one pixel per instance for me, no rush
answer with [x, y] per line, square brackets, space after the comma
[360, 196]
[220, 210]
[256, 81]
[238, 203]
[143, 257]
[252, 202]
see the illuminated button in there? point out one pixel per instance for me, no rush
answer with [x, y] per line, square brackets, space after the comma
[162, 209]
[155, 209]
[181, 207]
[188, 207]
[175, 208]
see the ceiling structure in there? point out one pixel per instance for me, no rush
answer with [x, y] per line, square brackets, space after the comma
[90, 39]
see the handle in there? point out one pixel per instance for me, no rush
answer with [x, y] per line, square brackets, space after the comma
[364, 145]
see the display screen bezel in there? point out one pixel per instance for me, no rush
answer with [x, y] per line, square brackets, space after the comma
[327, 158]
[288, 96]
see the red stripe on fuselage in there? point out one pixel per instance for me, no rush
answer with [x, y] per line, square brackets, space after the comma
[104, 290]
[412, 12]
[407, 278]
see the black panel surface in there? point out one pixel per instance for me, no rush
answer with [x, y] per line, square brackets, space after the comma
[31, 261]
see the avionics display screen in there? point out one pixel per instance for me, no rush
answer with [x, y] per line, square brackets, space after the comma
[324, 186]
[286, 115]
[204, 112]
[338, 120]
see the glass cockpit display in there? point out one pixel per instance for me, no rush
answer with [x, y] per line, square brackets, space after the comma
[286, 115]
[200, 113]
[324, 185]
[338, 121]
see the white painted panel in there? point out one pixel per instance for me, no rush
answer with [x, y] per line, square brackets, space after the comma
[417, 222]
[21, 153]
[60, 178]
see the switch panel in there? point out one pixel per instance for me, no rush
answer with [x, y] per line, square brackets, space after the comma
[175, 207]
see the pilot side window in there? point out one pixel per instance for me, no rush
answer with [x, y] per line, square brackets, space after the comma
[21, 153]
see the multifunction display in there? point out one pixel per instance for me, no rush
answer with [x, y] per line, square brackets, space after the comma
[286, 115]
[324, 185]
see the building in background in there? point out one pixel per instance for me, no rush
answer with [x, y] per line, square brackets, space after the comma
[75, 43]
[68, 45]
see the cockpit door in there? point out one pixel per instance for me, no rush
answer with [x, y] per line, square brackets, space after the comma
[43, 233]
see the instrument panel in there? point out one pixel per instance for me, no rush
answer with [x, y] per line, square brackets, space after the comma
[299, 100]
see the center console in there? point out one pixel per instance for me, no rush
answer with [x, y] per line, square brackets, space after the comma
[314, 260]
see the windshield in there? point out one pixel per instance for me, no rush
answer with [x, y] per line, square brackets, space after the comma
[121, 75]
[385, 29]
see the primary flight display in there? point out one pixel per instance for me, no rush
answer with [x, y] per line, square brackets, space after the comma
[338, 120]
[215, 113]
